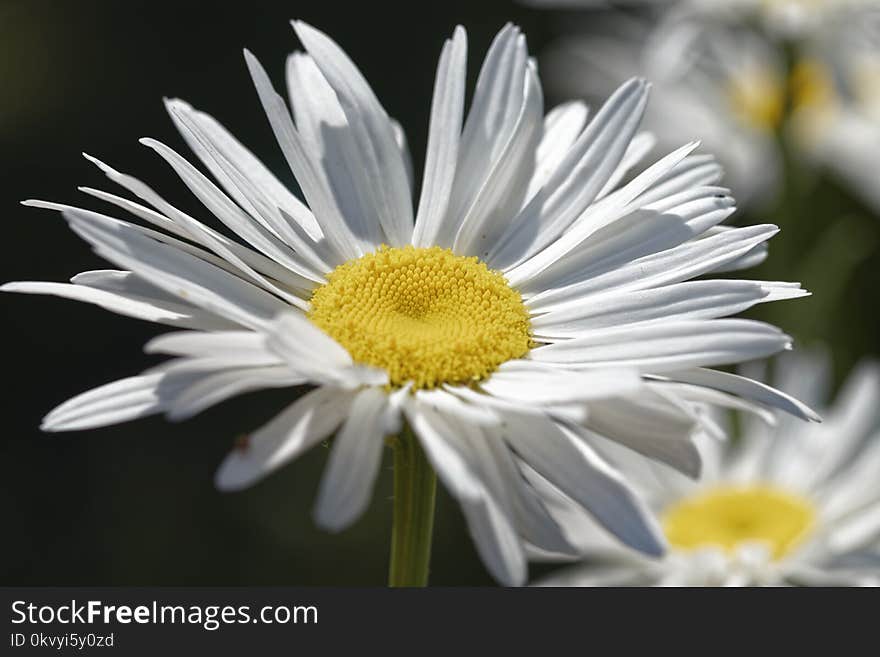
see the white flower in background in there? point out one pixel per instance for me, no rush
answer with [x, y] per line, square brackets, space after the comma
[733, 85]
[728, 92]
[791, 504]
[532, 309]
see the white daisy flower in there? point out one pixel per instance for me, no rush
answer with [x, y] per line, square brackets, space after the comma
[529, 309]
[787, 505]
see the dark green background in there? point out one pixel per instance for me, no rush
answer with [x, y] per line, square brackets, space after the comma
[135, 504]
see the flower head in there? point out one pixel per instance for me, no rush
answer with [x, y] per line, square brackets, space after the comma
[528, 310]
[788, 504]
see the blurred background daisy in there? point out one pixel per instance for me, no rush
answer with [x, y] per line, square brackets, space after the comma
[784, 505]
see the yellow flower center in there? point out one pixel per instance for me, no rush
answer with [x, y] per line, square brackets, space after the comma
[757, 98]
[761, 98]
[728, 516]
[424, 315]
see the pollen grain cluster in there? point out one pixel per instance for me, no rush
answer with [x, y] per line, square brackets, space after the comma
[425, 315]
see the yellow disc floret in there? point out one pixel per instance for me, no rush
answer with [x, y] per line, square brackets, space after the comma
[729, 516]
[425, 315]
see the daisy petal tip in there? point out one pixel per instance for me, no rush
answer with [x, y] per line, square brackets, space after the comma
[37, 203]
[234, 474]
[51, 424]
[657, 548]
[329, 520]
[107, 169]
[304, 30]
[176, 105]
[180, 415]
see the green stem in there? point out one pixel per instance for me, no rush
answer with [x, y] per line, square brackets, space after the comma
[415, 486]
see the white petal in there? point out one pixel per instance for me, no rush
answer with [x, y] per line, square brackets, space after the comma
[309, 173]
[325, 131]
[689, 300]
[650, 426]
[527, 274]
[636, 234]
[562, 126]
[809, 459]
[225, 384]
[521, 381]
[223, 143]
[638, 149]
[176, 272]
[312, 353]
[568, 412]
[672, 266]
[236, 258]
[213, 343]
[496, 540]
[444, 132]
[749, 259]
[488, 216]
[354, 463]
[857, 531]
[569, 464]
[222, 207]
[127, 284]
[744, 387]
[577, 180]
[709, 397]
[854, 488]
[532, 520]
[180, 223]
[403, 146]
[155, 309]
[257, 197]
[448, 404]
[494, 114]
[373, 133]
[630, 573]
[302, 424]
[671, 346]
[119, 401]
[693, 171]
